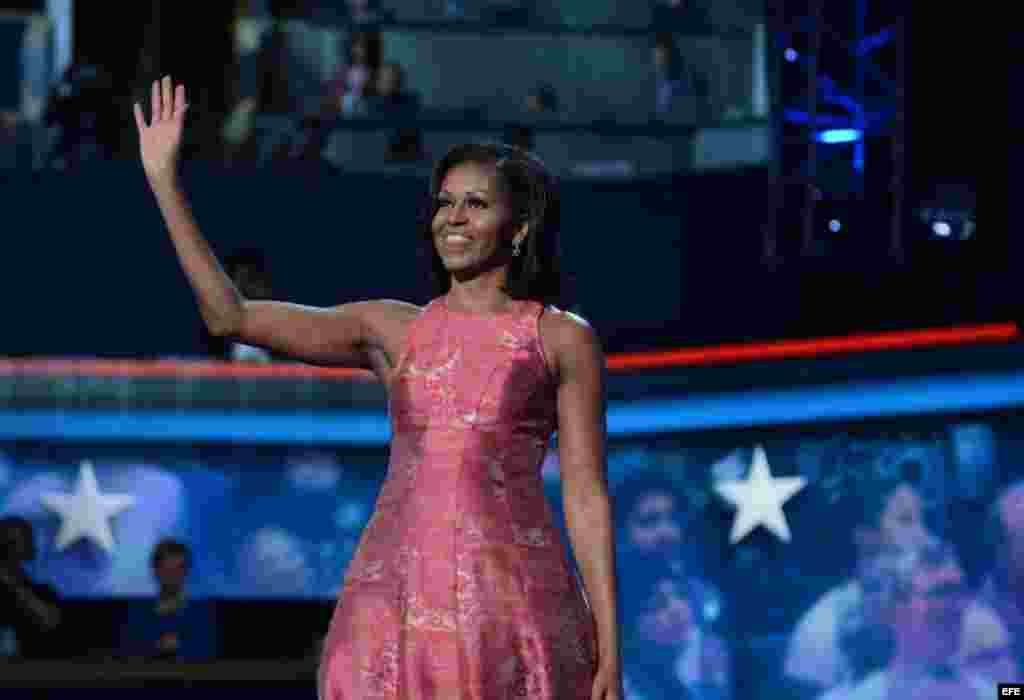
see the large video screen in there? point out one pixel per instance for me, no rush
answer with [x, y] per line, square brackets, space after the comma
[709, 582]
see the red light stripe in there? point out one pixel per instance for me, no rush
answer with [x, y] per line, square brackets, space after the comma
[791, 349]
[777, 350]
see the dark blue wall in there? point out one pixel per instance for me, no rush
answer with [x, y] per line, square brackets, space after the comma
[86, 266]
[89, 268]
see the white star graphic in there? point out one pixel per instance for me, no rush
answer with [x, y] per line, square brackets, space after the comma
[86, 512]
[759, 499]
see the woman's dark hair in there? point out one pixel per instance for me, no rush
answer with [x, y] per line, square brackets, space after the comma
[533, 194]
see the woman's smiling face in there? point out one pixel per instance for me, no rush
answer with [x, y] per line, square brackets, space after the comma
[473, 219]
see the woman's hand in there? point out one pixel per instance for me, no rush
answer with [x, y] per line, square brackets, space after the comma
[160, 140]
[608, 683]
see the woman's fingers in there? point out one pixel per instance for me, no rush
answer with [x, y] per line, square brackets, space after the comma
[168, 102]
[154, 112]
[179, 101]
[140, 121]
[168, 98]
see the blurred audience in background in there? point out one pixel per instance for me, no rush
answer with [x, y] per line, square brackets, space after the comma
[905, 623]
[173, 626]
[390, 98]
[261, 124]
[834, 643]
[280, 101]
[889, 515]
[1003, 586]
[542, 101]
[82, 116]
[679, 94]
[30, 612]
[349, 93]
[653, 526]
[670, 649]
[922, 601]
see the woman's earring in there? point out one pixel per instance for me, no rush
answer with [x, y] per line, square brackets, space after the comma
[515, 247]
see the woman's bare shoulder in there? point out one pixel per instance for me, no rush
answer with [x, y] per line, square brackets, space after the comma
[565, 333]
[561, 327]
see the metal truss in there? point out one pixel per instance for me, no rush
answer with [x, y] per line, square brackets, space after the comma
[834, 109]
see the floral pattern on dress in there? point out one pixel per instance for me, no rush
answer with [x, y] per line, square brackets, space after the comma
[496, 474]
[366, 571]
[421, 616]
[379, 674]
[460, 586]
[531, 536]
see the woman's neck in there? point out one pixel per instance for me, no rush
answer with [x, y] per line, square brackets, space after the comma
[480, 294]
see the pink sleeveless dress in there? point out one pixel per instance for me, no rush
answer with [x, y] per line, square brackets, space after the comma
[460, 588]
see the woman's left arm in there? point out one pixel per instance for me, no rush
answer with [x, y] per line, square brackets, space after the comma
[577, 356]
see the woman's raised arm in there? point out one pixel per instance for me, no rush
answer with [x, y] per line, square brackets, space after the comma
[343, 335]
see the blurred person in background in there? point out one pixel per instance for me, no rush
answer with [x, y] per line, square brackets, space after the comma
[30, 612]
[864, 637]
[249, 269]
[82, 113]
[670, 651]
[85, 569]
[654, 526]
[9, 121]
[261, 125]
[174, 626]
[542, 101]
[11, 142]
[924, 598]
[988, 653]
[540, 104]
[350, 92]
[1003, 587]
[677, 89]
[890, 517]
[489, 357]
[390, 98]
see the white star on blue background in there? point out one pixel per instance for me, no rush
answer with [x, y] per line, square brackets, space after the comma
[86, 513]
[758, 499]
